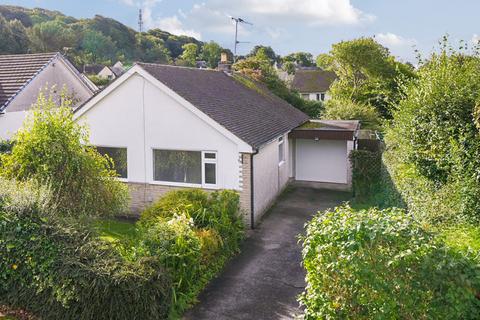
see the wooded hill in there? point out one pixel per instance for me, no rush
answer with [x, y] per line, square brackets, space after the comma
[87, 41]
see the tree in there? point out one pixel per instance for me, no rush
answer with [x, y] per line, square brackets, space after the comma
[13, 37]
[51, 36]
[189, 55]
[211, 53]
[348, 110]
[302, 59]
[367, 73]
[151, 49]
[264, 52]
[97, 47]
[50, 149]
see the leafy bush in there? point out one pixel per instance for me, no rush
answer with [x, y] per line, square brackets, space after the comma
[434, 143]
[191, 233]
[51, 150]
[348, 110]
[59, 270]
[374, 264]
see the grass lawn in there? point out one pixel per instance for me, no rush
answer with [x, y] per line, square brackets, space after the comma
[115, 229]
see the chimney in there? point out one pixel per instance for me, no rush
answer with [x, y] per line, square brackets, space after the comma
[224, 65]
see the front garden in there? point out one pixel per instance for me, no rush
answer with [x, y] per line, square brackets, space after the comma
[64, 256]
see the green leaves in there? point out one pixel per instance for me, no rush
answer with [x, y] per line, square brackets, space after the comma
[374, 264]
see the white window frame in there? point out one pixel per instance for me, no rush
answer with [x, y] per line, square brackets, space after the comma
[202, 185]
[117, 147]
[281, 144]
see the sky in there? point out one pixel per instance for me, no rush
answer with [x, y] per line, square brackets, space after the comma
[293, 25]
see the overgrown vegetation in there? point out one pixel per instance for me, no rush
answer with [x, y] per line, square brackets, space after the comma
[381, 264]
[61, 259]
[50, 149]
[348, 110]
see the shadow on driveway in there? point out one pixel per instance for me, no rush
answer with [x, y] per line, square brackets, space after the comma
[264, 280]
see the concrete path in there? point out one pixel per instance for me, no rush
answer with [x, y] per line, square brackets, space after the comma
[263, 282]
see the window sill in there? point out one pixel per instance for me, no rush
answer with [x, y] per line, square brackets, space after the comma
[183, 185]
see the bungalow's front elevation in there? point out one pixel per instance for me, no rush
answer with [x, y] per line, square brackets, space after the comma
[169, 127]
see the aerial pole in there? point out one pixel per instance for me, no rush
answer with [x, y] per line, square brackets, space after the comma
[237, 21]
[140, 21]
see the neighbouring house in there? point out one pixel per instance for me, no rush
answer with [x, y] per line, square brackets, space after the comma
[23, 76]
[113, 72]
[92, 69]
[313, 84]
[174, 127]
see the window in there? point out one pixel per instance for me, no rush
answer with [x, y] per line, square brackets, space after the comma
[119, 158]
[305, 96]
[185, 167]
[281, 150]
[322, 96]
[318, 97]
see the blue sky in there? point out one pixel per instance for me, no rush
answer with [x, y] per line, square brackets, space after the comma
[294, 25]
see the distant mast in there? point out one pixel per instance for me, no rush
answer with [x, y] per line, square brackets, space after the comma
[140, 20]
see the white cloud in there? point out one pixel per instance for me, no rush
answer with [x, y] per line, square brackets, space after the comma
[175, 26]
[392, 40]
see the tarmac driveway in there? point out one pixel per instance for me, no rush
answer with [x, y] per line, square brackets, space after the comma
[263, 282]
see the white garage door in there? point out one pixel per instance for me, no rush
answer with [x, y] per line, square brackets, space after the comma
[321, 161]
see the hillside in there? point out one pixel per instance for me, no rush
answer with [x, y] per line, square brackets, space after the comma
[86, 41]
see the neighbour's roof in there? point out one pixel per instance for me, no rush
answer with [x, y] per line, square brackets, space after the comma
[252, 113]
[16, 71]
[307, 81]
[92, 68]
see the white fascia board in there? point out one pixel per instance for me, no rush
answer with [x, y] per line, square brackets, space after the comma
[242, 145]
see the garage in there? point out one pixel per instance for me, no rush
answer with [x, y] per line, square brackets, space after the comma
[320, 150]
[321, 160]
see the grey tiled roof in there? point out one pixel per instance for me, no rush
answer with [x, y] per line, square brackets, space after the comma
[309, 81]
[17, 70]
[253, 114]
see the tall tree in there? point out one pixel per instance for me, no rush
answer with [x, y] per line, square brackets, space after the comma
[97, 48]
[367, 73]
[190, 53]
[51, 36]
[263, 52]
[303, 59]
[211, 53]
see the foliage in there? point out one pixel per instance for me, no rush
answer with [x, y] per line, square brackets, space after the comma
[289, 67]
[366, 72]
[433, 142]
[13, 36]
[51, 36]
[151, 49]
[374, 264]
[211, 52]
[347, 110]
[190, 53]
[58, 270]
[261, 71]
[366, 172]
[99, 81]
[51, 150]
[97, 48]
[302, 59]
[264, 53]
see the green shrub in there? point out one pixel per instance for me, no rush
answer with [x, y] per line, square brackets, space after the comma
[374, 264]
[347, 110]
[51, 150]
[59, 270]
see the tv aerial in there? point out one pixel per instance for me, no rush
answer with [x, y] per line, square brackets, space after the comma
[237, 21]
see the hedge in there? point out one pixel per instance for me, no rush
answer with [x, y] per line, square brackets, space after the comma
[381, 264]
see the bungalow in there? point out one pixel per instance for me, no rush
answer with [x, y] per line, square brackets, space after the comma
[175, 127]
[313, 84]
[22, 76]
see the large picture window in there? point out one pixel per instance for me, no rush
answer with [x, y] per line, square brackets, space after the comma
[185, 167]
[119, 158]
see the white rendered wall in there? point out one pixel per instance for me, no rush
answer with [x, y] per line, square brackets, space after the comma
[270, 177]
[10, 122]
[141, 117]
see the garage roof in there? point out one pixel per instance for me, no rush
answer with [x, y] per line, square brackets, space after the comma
[327, 130]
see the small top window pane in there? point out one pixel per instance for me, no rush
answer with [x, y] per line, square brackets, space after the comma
[210, 155]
